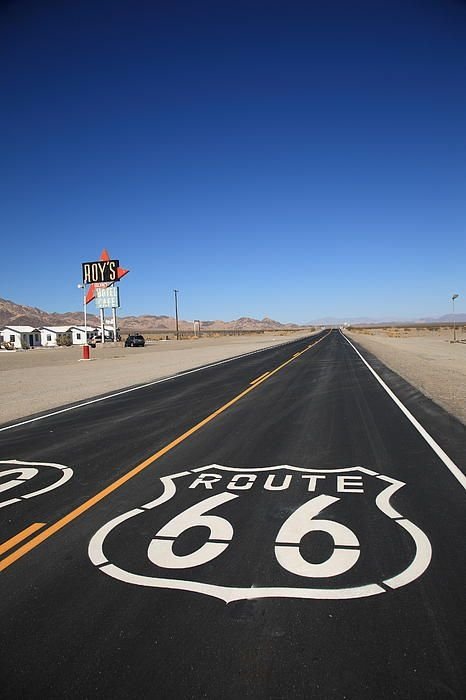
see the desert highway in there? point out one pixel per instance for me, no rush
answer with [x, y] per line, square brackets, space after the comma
[288, 524]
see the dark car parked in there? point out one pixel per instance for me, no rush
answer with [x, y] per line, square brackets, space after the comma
[135, 341]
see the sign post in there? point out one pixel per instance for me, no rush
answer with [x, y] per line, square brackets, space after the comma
[85, 353]
[108, 298]
[102, 326]
[114, 324]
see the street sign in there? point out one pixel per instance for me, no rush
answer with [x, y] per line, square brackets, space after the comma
[107, 298]
[100, 271]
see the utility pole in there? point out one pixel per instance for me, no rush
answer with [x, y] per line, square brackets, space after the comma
[455, 296]
[176, 291]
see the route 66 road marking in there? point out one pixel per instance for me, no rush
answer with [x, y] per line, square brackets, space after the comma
[22, 472]
[261, 523]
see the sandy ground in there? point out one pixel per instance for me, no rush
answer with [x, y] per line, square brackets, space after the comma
[426, 359]
[37, 380]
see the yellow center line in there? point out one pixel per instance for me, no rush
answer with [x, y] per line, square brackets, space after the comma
[259, 378]
[13, 541]
[55, 527]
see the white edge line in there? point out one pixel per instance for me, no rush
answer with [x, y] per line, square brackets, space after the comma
[144, 386]
[448, 462]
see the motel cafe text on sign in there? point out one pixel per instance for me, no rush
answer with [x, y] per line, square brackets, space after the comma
[100, 271]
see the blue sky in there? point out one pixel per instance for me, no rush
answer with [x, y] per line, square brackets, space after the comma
[283, 159]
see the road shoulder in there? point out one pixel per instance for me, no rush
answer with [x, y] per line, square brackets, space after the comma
[436, 367]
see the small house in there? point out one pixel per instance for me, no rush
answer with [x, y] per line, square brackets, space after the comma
[78, 334]
[56, 335]
[21, 336]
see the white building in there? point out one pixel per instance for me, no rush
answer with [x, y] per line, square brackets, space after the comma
[21, 336]
[108, 333]
[78, 334]
[51, 335]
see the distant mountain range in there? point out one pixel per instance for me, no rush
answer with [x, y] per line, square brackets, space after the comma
[12, 313]
[367, 321]
[17, 314]
[335, 321]
[447, 318]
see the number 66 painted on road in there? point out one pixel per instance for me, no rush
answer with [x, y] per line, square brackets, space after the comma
[177, 571]
[300, 523]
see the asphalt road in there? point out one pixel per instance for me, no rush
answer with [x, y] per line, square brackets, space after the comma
[277, 526]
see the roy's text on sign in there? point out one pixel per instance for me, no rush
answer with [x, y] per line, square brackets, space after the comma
[100, 271]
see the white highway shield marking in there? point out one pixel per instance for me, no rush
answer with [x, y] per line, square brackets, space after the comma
[273, 532]
[22, 472]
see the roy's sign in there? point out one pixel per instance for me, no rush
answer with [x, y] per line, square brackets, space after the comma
[100, 271]
[273, 532]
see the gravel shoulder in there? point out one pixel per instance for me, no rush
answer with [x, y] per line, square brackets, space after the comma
[435, 366]
[42, 379]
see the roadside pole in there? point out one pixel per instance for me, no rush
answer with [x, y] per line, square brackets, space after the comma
[455, 296]
[102, 326]
[176, 313]
[114, 324]
[85, 352]
[85, 346]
